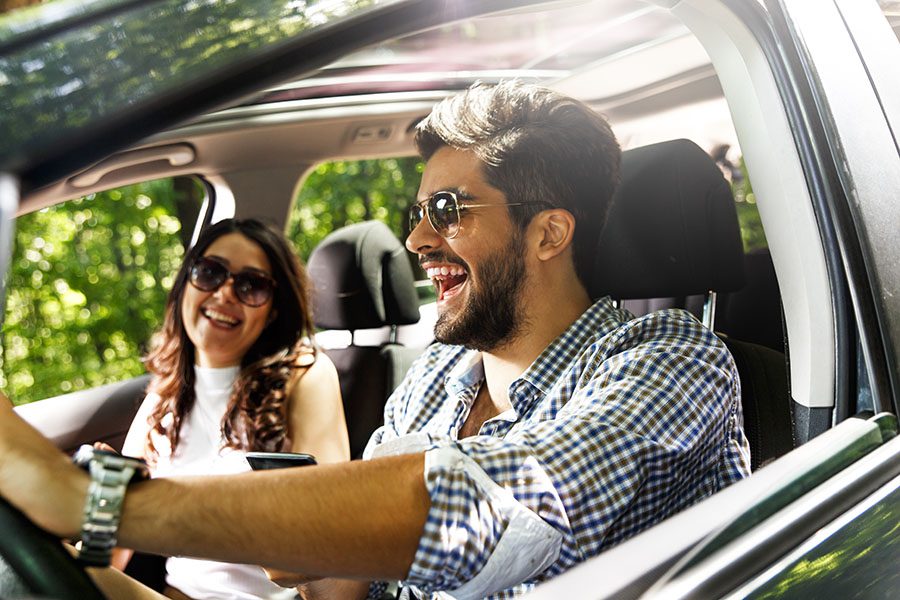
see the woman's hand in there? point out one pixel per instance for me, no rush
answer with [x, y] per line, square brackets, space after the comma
[105, 447]
[37, 478]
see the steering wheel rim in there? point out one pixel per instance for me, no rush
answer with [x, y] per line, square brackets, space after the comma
[42, 562]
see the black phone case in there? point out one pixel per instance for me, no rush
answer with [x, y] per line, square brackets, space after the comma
[260, 461]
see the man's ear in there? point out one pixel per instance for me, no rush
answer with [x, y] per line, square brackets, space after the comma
[554, 229]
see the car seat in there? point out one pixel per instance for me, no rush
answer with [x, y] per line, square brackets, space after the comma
[672, 232]
[753, 313]
[362, 279]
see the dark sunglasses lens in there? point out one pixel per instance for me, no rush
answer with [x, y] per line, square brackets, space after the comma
[415, 216]
[208, 275]
[253, 290]
[444, 213]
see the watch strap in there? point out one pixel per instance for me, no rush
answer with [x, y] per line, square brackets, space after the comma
[110, 476]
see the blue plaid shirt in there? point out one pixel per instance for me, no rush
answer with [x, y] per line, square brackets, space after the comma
[618, 424]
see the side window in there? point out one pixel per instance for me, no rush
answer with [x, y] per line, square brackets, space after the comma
[735, 171]
[88, 283]
[340, 193]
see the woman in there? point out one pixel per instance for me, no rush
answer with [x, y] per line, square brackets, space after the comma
[234, 370]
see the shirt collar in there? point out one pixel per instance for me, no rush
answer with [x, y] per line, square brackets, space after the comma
[598, 320]
[466, 373]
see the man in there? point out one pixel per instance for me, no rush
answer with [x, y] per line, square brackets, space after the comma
[542, 429]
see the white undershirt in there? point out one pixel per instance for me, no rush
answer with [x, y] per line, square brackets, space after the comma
[200, 452]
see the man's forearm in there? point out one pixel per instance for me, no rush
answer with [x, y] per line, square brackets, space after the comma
[358, 519]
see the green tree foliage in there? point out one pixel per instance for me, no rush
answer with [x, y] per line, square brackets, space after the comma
[87, 287]
[343, 192]
[748, 213]
[81, 77]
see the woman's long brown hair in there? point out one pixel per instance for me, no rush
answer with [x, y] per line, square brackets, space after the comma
[256, 417]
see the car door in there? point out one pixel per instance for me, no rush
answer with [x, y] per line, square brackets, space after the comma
[840, 538]
[816, 81]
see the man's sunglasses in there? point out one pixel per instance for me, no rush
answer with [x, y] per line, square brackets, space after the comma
[443, 210]
[251, 288]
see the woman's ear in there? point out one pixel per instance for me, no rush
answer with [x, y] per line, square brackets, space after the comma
[273, 314]
[555, 230]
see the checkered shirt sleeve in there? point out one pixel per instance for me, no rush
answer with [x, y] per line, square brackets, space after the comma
[620, 423]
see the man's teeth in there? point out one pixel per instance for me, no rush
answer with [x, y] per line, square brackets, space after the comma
[451, 271]
[221, 317]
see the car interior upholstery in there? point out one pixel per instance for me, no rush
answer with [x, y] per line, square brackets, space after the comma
[362, 279]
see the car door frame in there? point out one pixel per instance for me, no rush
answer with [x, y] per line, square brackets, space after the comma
[840, 171]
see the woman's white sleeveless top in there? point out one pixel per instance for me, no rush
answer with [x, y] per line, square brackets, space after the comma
[200, 452]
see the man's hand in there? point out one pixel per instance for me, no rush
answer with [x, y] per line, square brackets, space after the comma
[37, 478]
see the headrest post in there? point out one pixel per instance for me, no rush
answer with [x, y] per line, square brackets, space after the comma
[393, 337]
[709, 310]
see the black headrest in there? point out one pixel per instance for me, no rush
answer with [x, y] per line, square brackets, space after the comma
[362, 279]
[672, 228]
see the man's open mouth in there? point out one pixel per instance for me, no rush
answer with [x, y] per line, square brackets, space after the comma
[219, 318]
[447, 279]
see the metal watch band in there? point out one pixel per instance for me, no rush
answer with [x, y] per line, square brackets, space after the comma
[110, 476]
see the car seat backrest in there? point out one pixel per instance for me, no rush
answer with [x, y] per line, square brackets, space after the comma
[673, 232]
[753, 313]
[362, 279]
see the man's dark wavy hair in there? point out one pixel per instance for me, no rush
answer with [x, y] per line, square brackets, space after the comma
[537, 146]
[256, 417]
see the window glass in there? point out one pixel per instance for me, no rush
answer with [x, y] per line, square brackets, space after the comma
[735, 171]
[891, 10]
[340, 193]
[87, 286]
[57, 80]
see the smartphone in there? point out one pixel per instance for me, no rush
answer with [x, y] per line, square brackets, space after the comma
[260, 461]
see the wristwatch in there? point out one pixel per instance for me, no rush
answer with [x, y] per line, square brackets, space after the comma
[110, 475]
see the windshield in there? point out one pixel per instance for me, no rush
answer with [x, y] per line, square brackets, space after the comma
[64, 79]
[538, 45]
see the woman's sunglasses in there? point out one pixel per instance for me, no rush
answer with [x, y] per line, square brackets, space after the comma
[251, 288]
[443, 210]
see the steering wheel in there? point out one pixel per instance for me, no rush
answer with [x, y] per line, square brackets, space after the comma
[40, 560]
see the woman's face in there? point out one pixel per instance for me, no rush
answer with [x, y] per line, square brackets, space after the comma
[221, 327]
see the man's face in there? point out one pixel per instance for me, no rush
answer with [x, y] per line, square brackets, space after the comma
[479, 274]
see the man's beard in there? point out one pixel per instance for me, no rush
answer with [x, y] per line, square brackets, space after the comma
[492, 316]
